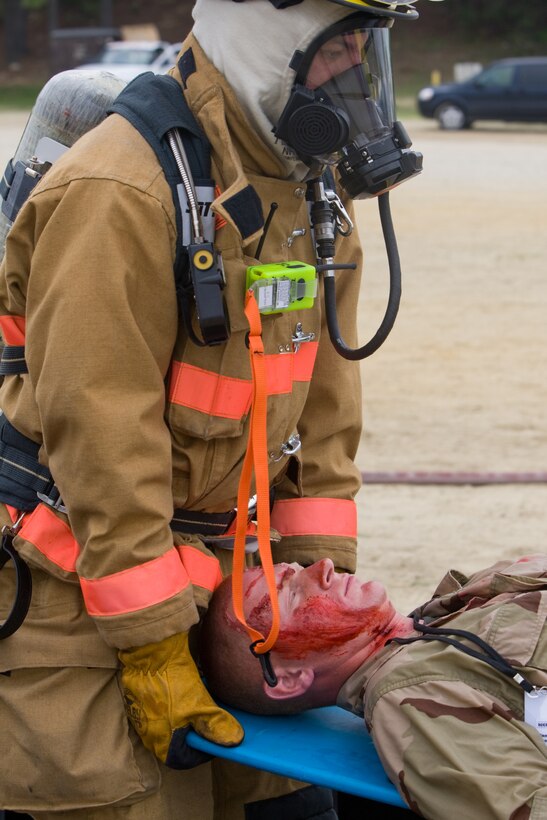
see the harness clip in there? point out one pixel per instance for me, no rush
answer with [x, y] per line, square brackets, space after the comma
[12, 529]
[288, 448]
[300, 336]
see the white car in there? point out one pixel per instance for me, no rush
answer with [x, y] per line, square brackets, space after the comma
[129, 58]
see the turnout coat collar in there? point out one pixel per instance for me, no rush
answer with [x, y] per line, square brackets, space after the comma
[236, 150]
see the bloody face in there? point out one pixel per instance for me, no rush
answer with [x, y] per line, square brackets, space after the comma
[324, 614]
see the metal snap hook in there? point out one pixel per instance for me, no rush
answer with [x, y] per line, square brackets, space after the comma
[288, 448]
[299, 336]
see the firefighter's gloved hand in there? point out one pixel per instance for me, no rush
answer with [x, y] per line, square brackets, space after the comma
[165, 698]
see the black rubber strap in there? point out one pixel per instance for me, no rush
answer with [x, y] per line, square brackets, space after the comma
[6, 180]
[489, 655]
[199, 523]
[23, 587]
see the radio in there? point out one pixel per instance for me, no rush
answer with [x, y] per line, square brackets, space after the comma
[282, 286]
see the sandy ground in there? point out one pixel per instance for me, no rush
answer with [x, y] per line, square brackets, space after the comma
[460, 385]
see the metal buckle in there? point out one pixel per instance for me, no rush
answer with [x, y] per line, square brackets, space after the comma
[52, 497]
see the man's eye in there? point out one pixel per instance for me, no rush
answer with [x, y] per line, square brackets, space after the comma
[334, 54]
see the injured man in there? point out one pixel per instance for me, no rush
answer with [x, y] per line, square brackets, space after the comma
[451, 695]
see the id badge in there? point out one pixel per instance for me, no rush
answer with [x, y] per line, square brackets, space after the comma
[205, 195]
[535, 710]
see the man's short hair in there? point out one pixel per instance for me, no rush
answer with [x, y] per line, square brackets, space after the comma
[232, 673]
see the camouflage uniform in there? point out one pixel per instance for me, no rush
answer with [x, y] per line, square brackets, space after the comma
[449, 728]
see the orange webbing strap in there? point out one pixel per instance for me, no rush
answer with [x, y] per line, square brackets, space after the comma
[256, 457]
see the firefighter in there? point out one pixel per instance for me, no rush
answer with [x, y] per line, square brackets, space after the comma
[123, 431]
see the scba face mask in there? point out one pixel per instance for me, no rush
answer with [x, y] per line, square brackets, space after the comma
[341, 110]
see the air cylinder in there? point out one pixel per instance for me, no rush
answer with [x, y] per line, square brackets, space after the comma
[70, 104]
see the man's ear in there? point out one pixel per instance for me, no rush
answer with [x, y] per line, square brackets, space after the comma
[291, 682]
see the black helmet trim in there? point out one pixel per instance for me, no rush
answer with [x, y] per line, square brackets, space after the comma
[397, 8]
[400, 9]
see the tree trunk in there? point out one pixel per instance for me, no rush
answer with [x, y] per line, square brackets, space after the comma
[106, 14]
[15, 31]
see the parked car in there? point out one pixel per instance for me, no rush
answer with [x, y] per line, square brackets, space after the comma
[128, 58]
[514, 90]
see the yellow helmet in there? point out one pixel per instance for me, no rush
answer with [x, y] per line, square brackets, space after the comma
[381, 8]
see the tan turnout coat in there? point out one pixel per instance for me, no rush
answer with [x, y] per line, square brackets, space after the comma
[89, 264]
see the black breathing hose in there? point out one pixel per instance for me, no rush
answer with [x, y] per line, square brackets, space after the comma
[393, 300]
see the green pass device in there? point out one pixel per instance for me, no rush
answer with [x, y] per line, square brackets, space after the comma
[282, 286]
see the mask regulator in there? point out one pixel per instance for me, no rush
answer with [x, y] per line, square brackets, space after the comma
[341, 113]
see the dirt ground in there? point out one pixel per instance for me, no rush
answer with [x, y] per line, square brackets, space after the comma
[460, 385]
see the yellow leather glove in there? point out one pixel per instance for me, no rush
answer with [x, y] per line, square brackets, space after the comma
[165, 698]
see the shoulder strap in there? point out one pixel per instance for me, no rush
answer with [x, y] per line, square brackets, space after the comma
[154, 104]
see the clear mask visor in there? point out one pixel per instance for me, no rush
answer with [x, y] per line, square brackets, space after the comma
[351, 70]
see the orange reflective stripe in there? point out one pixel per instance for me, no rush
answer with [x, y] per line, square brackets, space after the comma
[209, 392]
[126, 591]
[220, 222]
[51, 536]
[304, 361]
[136, 588]
[315, 516]
[203, 570]
[13, 329]
[12, 512]
[282, 369]
[230, 398]
[279, 373]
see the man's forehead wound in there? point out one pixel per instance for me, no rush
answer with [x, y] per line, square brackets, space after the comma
[319, 624]
[261, 614]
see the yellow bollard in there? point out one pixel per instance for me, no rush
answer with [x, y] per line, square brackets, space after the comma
[435, 77]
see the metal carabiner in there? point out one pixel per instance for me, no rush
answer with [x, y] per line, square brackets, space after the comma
[288, 448]
[343, 220]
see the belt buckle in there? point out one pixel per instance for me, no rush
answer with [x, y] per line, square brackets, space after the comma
[52, 497]
[227, 541]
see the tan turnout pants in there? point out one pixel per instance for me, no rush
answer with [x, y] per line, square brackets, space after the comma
[189, 796]
[70, 752]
